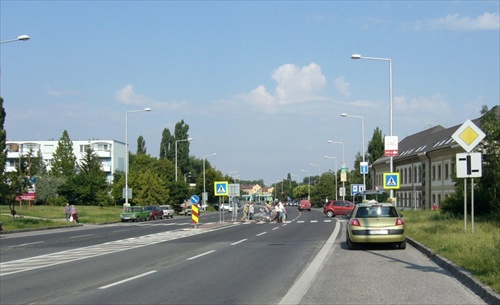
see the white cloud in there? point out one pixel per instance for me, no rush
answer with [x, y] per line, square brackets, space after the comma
[294, 85]
[128, 96]
[342, 86]
[486, 21]
[65, 92]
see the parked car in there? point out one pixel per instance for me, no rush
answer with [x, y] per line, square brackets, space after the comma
[304, 205]
[375, 223]
[225, 206]
[338, 207]
[167, 211]
[154, 212]
[187, 211]
[135, 213]
[231, 208]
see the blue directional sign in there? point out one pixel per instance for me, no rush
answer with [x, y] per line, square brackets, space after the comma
[357, 188]
[363, 167]
[221, 188]
[391, 181]
[195, 199]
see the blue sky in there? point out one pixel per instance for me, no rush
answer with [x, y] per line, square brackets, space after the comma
[262, 84]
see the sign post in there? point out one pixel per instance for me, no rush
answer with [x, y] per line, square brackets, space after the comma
[469, 164]
[221, 189]
[195, 212]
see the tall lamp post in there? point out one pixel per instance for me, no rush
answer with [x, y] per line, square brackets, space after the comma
[309, 192]
[126, 148]
[188, 139]
[204, 180]
[358, 56]
[336, 170]
[343, 163]
[19, 38]
[362, 139]
[319, 170]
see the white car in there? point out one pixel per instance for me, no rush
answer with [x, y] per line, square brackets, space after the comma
[225, 206]
[231, 208]
[167, 211]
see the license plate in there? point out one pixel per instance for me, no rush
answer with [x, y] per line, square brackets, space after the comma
[379, 232]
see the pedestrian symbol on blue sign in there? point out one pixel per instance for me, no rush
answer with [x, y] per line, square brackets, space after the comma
[221, 188]
[391, 180]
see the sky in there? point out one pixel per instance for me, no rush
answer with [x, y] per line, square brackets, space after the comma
[262, 84]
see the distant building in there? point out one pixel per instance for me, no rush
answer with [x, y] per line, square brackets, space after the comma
[110, 152]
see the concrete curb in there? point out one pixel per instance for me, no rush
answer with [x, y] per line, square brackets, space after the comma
[463, 276]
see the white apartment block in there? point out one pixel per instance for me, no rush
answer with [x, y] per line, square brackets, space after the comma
[111, 153]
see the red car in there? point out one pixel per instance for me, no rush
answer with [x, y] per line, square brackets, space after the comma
[155, 212]
[338, 207]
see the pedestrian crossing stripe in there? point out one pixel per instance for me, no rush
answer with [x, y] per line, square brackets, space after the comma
[221, 188]
[391, 180]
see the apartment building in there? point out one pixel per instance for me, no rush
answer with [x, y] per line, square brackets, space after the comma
[110, 152]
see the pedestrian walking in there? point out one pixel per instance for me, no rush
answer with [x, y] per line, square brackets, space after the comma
[74, 214]
[251, 210]
[245, 212]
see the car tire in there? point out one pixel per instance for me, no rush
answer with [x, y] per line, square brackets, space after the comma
[402, 245]
[351, 245]
[330, 214]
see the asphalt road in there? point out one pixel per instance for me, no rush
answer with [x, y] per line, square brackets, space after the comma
[303, 261]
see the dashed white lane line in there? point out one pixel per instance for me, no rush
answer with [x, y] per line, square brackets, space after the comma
[127, 280]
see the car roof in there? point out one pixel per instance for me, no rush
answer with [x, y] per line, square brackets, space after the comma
[369, 204]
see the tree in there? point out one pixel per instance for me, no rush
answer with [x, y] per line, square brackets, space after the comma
[63, 159]
[150, 189]
[375, 151]
[3, 154]
[181, 133]
[166, 143]
[141, 145]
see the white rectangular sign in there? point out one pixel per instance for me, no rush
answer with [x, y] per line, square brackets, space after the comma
[469, 165]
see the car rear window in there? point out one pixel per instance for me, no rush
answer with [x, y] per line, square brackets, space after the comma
[376, 211]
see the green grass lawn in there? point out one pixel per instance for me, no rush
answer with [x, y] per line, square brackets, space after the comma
[477, 252]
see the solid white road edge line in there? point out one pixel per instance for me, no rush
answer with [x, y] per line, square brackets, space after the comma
[300, 287]
[126, 280]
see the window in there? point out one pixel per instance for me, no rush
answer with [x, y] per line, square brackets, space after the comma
[433, 172]
[447, 171]
[415, 179]
[439, 172]
[83, 148]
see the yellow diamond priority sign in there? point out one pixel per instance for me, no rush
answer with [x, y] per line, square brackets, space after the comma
[468, 136]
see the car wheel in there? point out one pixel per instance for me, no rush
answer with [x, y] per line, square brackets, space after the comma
[330, 214]
[351, 245]
[402, 245]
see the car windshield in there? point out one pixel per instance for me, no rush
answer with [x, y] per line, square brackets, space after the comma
[376, 211]
[135, 209]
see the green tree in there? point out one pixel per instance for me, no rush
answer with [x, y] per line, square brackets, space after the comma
[63, 159]
[375, 151]
[181, 133]
[149, 189]
[47, 189]
[166, 143]
[3, 155]
[141, 145]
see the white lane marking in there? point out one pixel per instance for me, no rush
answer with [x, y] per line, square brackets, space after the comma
[304, 282]
[127, 280]
[78, 236]
[200, 255]
[327, 220]
[275, 228]
[235, 243]
[314, 221]
[260, 234]
[300, 221]
[27, 244]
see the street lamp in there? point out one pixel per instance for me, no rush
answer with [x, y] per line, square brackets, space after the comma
[336, 170]
[204, 181]
[309, 192]
[319, 171]
[358, 56]
[343, 163]
[19, 38]
[126, 148]
[362, 138]
[188, 139]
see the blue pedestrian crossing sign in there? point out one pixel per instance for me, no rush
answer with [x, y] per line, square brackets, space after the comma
[391, 181]
[221, 188]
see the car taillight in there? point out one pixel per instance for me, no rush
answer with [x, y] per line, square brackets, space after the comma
[400, 222]
[355, 222]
